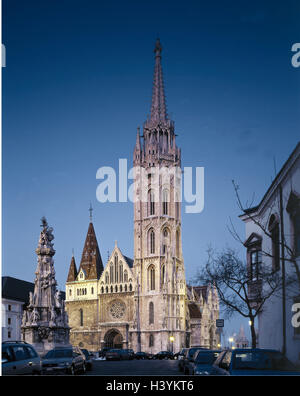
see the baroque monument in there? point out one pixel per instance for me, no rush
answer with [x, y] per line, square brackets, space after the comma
[45, 321]
[144, 303]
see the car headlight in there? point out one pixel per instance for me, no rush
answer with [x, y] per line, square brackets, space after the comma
[200, 372]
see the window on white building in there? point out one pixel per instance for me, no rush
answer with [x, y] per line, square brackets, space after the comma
[255, 264]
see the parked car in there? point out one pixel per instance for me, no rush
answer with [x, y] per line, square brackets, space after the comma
[113, 354]
[253, 362]
[188, 357]
[88, 359]
[102, 352]
[202, 362]
[181, 356]
[63, 360]
[130, 353]
[20, 358]
[141, 356]
[164, 355]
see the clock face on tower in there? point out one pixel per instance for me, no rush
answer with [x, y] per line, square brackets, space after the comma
[117, 309]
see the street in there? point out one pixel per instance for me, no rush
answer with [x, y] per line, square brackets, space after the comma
[135, 367]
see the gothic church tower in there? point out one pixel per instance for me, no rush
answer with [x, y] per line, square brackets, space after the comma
[158, 263]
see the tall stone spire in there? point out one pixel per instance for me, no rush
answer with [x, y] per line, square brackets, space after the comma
[91, 261]
[158, 107]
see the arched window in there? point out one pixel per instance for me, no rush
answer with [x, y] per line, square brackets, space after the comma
[121, 288]
[163, 274]
[70, 292]
[125, 276]
[152, 241]
[130, 287]
[177, 243]
[121, 272]
[106, 278]
[151, 340]
[102, 289]
[151, 203]
[106, 289]
[274, 230]
[116, 289]
[92, 290]
[81, 317]
[111, 273]
[165, 240]
[177, 210]
[151, 278]
[151, 313]
[165, 200]
[116, 269]
[293, 208]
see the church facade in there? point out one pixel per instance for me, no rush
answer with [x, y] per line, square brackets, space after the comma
[144, 303]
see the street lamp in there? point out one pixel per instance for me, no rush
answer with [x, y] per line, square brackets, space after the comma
[231, 341]
[172, 340]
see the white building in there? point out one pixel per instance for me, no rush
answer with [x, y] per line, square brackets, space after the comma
[15, 295]
[273, 240]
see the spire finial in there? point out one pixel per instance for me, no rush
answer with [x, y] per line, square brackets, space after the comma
[158, 48]
[158, 106]
[91, 212]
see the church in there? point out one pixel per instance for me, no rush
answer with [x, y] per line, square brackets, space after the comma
[143, 303]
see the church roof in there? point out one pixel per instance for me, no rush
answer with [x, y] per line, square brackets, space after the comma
[199, 291]
[194, 310]
[16, 289]
[91, 261]
[72, 275]
[129, 261]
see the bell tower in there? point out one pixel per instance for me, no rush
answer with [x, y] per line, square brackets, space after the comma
[158, 262]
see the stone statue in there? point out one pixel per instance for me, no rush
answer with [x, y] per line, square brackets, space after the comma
[57, 299]
[44, 319]
[30, 299]
[35, 316]
[24, 318]
[52, 317]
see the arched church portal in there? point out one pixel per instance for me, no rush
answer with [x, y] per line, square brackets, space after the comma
[113, 339]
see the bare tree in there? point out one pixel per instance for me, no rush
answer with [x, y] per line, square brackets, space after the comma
[232, 279]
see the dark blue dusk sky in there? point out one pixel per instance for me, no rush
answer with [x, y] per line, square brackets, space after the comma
[78, 82]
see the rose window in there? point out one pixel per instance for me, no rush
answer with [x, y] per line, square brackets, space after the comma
[117, 309]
